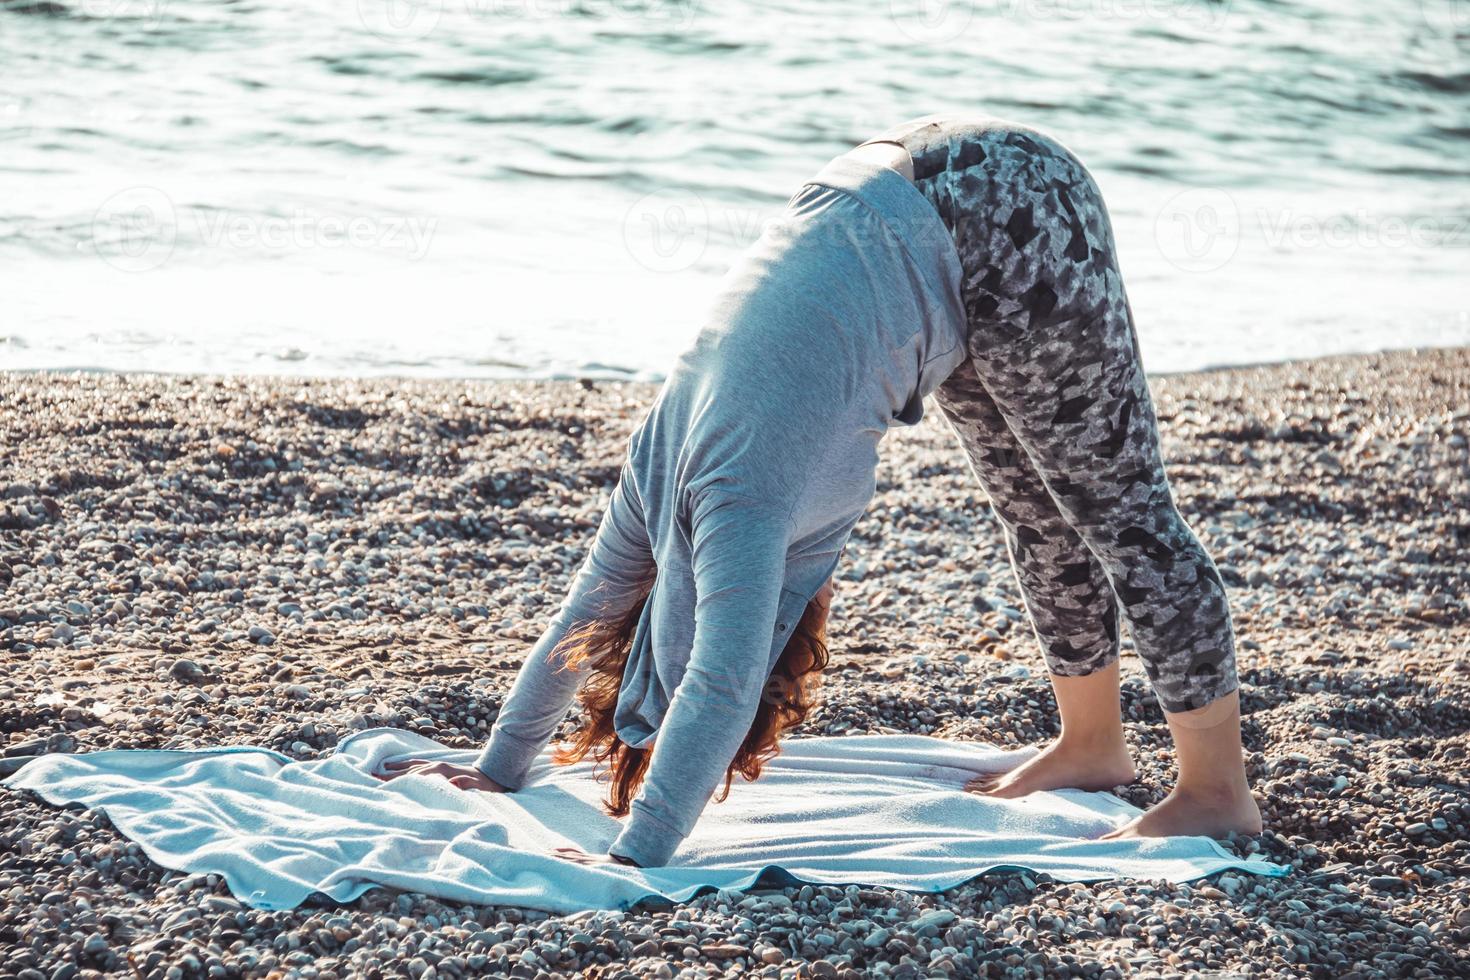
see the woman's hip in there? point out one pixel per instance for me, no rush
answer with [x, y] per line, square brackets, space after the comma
[1029, 225]
[961, 141]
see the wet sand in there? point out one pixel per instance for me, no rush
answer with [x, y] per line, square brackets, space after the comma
[193, 561]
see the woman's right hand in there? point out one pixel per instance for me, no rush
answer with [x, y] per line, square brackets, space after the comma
[463, 777]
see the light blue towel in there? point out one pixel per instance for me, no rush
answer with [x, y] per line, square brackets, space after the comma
[866, 809]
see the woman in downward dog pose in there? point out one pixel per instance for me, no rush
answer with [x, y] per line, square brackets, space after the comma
[965, 257]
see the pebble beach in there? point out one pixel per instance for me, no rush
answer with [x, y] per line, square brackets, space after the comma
[191, 561]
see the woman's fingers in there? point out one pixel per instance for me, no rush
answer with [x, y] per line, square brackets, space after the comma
[460, 777]
[402, 767]
[578, 856]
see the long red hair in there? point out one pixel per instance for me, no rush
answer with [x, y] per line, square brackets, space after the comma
[603, 645]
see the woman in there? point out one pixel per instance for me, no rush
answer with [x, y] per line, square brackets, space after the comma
[970, 258]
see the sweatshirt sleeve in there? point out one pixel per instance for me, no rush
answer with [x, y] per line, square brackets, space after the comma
[738, 553]
[608, 583]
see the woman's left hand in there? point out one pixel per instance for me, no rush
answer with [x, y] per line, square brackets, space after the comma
[462, 777]
[579, 856]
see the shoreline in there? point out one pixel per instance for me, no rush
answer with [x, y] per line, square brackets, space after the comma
[652, 379]
[207, 560]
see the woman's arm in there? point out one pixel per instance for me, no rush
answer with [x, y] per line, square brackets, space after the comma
[610, 580]
[738, 552]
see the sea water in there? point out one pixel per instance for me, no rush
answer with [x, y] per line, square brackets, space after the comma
[509, 188]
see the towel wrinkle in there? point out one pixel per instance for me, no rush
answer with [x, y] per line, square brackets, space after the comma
[876, 810]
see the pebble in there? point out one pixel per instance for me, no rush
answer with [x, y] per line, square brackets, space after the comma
[937, 919]
[400, 542]
[724, 951]
[186, 670]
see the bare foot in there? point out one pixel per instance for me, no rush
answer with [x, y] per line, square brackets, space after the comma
[1193, 813]
[1062, 765]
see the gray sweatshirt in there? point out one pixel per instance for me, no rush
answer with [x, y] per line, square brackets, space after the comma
[744, 480]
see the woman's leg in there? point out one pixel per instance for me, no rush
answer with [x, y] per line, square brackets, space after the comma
[1052, 342]
[1212, 795]
[1070, 603]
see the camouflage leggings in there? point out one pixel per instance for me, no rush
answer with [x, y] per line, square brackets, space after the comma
[1054, 412]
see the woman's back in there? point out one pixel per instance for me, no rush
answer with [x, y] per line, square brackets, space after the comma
[834, 323]
[744, 480]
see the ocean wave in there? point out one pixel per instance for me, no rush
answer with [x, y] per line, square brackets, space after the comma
[486, 188]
